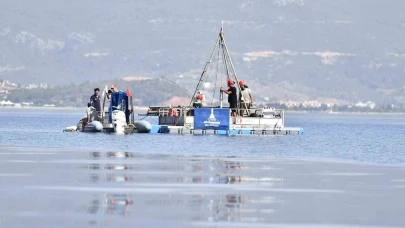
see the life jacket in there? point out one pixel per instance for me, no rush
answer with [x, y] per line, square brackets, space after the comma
[173, 112]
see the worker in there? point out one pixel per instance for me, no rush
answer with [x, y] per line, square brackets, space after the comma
[198, 102]
[232, 97]
[110, 91]
[95, 100]
[89, 115]
[245, 98]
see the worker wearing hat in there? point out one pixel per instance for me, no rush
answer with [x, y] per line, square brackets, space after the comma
[245, 98]
[232, 96]
[198, 102]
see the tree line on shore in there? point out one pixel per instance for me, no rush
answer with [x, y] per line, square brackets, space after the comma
[145, 92]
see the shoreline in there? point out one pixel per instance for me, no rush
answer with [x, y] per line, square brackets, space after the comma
[145, 108]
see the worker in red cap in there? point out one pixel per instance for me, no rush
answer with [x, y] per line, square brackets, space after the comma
[245, 98]
[198, 102]
[232, 97]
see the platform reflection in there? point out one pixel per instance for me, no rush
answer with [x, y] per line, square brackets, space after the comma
[190, 183]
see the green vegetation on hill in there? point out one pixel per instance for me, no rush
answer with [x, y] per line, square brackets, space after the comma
[145, 92]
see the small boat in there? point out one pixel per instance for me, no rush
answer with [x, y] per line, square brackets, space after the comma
[117, 117]
[216, 119]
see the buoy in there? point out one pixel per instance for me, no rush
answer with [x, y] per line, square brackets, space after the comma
[70, 129]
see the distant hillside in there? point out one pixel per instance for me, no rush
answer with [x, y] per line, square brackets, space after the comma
[146, 92]
[347, 50]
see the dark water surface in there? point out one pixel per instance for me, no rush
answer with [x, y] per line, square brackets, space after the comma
[345, 171]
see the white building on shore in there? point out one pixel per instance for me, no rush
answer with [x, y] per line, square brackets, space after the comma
[6, 103]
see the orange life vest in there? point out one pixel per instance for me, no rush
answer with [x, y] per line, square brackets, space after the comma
[173, 112]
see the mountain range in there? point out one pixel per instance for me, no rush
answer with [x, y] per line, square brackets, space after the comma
[327, 50]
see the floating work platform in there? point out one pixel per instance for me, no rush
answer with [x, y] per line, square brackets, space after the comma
[196, 118]
[181, 130]
[217, 121]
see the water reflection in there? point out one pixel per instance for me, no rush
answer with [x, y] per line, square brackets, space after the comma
[95, 178]
[118, 204]
[111, 204]
[118, 178]
[195, 169]
[222, 207]
[137, 176]
[233, 170]
[98, 155]
[243, 208]
[127, 166]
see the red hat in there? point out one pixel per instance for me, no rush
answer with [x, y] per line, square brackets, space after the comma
[230, 82]
[241, 83]
[199, 97]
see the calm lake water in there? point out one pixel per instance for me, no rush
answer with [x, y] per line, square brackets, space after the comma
[356, 138]
[345, 171]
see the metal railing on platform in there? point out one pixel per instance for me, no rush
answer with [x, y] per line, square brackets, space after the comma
[188, 111]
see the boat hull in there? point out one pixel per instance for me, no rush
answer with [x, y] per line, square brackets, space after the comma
[143, 126]
[94, 126]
